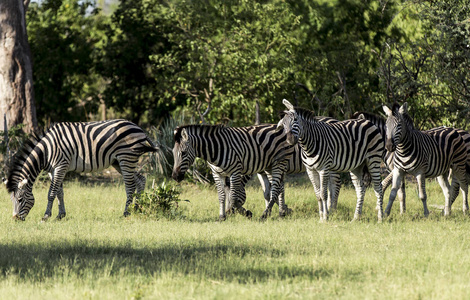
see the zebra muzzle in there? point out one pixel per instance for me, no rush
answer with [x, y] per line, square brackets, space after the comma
[18, 218]
[390, 146]
[177, 175]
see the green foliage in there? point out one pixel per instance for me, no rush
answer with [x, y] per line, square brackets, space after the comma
[431, 71]
[9, 145]
[230, 55]
[64, 37]
[133, 88]
[161, 201]
[219, 60]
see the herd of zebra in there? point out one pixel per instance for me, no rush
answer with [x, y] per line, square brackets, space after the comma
[301, 142]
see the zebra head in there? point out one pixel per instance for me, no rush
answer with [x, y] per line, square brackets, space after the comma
[183, 153]
[395, 123]
[22, 199]
[289, 124]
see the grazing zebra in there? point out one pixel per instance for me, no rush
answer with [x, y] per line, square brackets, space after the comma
[380, 123]
[425, 154]
[234, 152]
[79, 147]
[349, 145]
[238, 153]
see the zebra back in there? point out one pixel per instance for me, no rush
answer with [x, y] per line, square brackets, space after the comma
[255, 148]
[343, 144]
[83, 146]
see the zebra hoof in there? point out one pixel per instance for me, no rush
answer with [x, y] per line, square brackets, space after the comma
[60, 216]
[45, 218]
[126, 214]
[264, 216]
[222, 218]
[249, 214]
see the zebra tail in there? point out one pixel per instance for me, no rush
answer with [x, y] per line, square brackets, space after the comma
[146, 146]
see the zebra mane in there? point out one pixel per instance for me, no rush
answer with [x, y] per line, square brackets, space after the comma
[377, 120]
[18, 160]
[305, 114]
[193, 127]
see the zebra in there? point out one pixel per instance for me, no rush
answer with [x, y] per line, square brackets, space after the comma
[236, 152]
[294, 166]
[78, 147]
[425, 154]
[349, 145]
[380, 123]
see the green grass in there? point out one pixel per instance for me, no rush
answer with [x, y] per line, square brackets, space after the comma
[96, 254]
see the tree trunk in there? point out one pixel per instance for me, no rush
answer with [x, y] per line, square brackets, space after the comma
[16, 73]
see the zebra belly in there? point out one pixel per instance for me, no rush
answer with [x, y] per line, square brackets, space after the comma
[80, 165]
[317, 164]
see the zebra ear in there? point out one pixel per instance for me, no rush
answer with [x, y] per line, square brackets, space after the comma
[22, 183]
[387, 111]
[184, 134]
[403, 109]
[288, 105]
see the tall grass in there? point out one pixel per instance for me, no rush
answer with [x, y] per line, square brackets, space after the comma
[95, 253]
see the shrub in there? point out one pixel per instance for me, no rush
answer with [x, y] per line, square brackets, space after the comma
[160, 201]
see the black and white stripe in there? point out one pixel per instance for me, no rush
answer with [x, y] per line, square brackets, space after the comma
[380, 123]
[426, 154]
[79, 147]
[236, 152]
[343, 146]
[294, 166]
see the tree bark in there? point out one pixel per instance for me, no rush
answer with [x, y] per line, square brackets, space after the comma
[16, 72]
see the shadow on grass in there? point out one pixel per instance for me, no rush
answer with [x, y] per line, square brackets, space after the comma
[35, 263]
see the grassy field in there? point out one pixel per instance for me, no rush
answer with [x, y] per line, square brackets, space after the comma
[97, 254]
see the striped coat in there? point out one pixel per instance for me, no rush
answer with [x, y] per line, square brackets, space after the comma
[343, 146]
[77, 147]
[426, 154]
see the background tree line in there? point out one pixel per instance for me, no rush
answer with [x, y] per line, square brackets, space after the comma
[218, 61]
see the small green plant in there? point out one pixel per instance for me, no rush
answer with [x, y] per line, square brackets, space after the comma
[160, 201]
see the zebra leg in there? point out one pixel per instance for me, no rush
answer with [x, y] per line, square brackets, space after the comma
[400, 193]
[464, 189]
[266, 186]
[229, 202]
[334, 188]
[57, 179]
[422, 191]
[324, 180]
[220, 184]
[60, 199]
[127, 165]
[397, 178]
[237, 194]
[356, 177]
[374, 171]
[140, 183]
[315, 180]
[277, 184]
[387, 181]
[459, 179]
[229, 208]
[402, 197]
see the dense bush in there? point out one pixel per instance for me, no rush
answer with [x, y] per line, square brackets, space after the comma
[160, 202]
